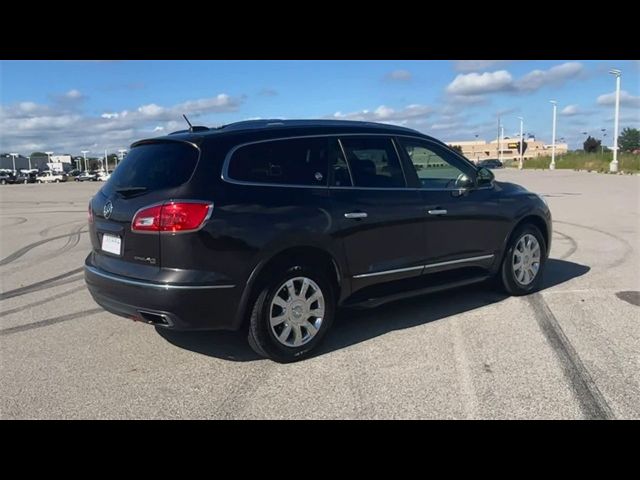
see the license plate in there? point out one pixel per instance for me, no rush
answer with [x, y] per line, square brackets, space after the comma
[111, 243]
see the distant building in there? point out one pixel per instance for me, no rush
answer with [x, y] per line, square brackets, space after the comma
[476, 150]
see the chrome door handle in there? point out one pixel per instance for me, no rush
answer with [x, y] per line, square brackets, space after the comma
[437, 212]
[356, 215]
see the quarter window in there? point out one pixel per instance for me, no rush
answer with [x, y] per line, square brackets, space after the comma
[373, 162]
[301, 161]
[433, 168]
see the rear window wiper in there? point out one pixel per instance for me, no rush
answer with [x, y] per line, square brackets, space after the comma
[131, 190]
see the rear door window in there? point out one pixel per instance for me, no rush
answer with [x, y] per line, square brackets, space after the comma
[302, 161]
[156, 166]
[373, 162]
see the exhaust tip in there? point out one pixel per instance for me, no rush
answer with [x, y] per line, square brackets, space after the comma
[154, 318]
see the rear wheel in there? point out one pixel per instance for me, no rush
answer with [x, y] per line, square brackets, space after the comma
[291, 314]
[3, 182]
[524, 261]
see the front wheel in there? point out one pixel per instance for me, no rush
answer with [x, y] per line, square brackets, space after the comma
[3, 182]
[524, 261]
[291, 315]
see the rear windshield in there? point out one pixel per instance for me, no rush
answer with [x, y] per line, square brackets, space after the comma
[155, 166]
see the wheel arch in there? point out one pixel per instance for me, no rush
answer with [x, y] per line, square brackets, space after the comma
[533, 219]
[309, 255]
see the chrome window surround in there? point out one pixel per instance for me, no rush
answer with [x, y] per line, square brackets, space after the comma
[225, 166]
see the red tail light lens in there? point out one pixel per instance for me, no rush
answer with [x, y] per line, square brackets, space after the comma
[171, 217]
[90, 213]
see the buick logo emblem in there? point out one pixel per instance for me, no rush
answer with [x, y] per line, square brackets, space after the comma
[108, 208]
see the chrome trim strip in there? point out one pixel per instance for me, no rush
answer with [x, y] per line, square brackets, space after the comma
[460, 260]
[356, 215]
[430, 265]
[140, 283]
[388, 272]
[225, 165]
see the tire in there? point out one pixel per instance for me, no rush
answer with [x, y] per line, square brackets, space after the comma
[3, 182]
[516, 281]
[262, 336]
[25, 182]
[57, 181]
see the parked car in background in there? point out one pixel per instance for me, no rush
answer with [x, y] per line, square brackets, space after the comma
[103, 177]
[26, 177]
[49, 177]
[74, 173]
[86, 177]
[269, 226]
[6, 177]
[490, 163]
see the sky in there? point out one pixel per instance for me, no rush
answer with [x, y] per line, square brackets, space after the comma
[69, 106]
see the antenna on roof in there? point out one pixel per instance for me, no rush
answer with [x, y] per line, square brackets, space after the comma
[187, 120]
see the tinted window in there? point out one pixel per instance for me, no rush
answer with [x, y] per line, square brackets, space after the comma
[373, 162]
[301, 161]
[433, 166]
[155, 166]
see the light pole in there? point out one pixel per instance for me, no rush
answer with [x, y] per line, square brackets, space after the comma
[613, 166]
[553, 137]
[84, 154]
[29, 158]
[122, 151]
[106, 161]
[477, 154]
[520, 165]
[500, 143]
[603, 130]
[13, 157]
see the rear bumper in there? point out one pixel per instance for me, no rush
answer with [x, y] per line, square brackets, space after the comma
[173, 306]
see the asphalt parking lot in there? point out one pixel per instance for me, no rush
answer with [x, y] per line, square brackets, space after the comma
[571, 351]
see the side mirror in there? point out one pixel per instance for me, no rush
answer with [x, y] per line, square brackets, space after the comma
[484, 177]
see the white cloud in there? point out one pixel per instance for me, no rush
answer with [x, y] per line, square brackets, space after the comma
[73, 94]
[555, 75]
[570, 110]
[626, 99]
[476, 65]
[151, 110]
[399, 75]
[61, 126]
[478, 84]
[386, 114]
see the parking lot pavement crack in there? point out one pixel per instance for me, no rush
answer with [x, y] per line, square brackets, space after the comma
[592, 403]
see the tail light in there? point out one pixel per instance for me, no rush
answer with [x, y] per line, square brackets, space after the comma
[174, 217]
[90, 213]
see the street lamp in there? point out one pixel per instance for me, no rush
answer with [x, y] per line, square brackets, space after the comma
[84, 154]
[553, 137]
[501, 142]
[613, 166]
[521, 165]
[122, 151]
[13, 157]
